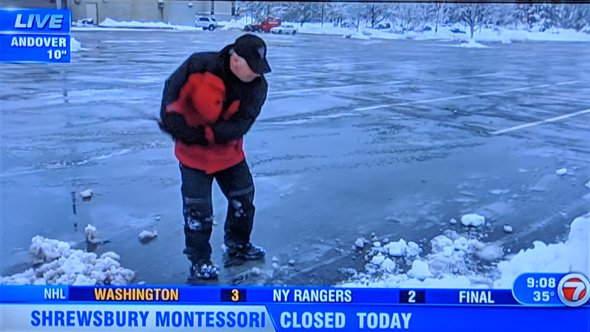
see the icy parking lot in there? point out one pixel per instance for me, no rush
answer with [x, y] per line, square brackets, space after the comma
[390, 137]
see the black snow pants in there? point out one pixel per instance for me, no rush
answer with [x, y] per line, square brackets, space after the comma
[238, 187]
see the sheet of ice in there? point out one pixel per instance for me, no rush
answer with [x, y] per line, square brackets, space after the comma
[57, 263]
[561, 171]
[473, 219]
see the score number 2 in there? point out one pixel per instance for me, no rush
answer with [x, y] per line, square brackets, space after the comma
[411, 296]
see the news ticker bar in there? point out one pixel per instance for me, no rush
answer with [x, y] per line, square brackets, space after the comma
[287, 317]
[262, 295]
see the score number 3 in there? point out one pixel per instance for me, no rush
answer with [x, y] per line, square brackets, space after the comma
[235, 295]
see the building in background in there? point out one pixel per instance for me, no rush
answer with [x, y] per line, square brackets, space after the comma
[180, 12]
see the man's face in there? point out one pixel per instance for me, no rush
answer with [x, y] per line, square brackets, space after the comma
[240, 68]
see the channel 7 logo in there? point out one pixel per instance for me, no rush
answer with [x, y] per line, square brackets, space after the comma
[574, 290]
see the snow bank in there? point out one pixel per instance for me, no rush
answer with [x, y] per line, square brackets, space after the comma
[75, 46]
[497, 34]
[110, 23]
[459, 261]
[569, 256]
[57, 263]
[472, 44]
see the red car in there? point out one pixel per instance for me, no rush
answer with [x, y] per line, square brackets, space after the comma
[263, 26]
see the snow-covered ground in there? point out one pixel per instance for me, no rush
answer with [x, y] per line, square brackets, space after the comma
[455, 261]
[496, 34]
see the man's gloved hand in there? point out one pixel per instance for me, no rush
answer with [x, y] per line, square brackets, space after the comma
[179, 130]
[195, 136]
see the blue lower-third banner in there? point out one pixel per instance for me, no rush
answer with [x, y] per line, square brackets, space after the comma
[288, 317]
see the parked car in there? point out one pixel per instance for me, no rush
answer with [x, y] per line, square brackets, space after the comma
[287, 29]
[264, 26]
[457, 30]
[207, 23]
[383, 26]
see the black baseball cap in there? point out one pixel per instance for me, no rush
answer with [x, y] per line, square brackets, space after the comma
[253, 49]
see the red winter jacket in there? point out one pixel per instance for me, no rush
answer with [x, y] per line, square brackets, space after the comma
[203, 91]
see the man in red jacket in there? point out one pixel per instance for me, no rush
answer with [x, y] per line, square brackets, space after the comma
[209, 103]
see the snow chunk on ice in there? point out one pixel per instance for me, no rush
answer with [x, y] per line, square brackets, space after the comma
[561, 171]
[146, 236]
[378, 259]
[86, 194]
[388, 265]
[413, 249]
[587, 184]
[453, 221]
[396, 249]
[359, 243]
[508, 229]
[473, 219]
[419, 270]
[491, 252]
[90, 232]
[58, 263]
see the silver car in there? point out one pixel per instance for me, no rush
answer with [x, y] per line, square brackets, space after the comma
[207, 23]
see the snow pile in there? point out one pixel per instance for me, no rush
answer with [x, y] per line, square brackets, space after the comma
[235, 24]
[110, 23]
[473, 219]
[57, 263]
[356, 35]
[472, 44]
[587, 184]
[462, 261]
[569, 256]
[75, 45]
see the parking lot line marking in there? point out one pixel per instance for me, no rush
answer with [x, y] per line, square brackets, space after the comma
[337, 87]
[566, 99]
[425, 101]
[536, 123]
